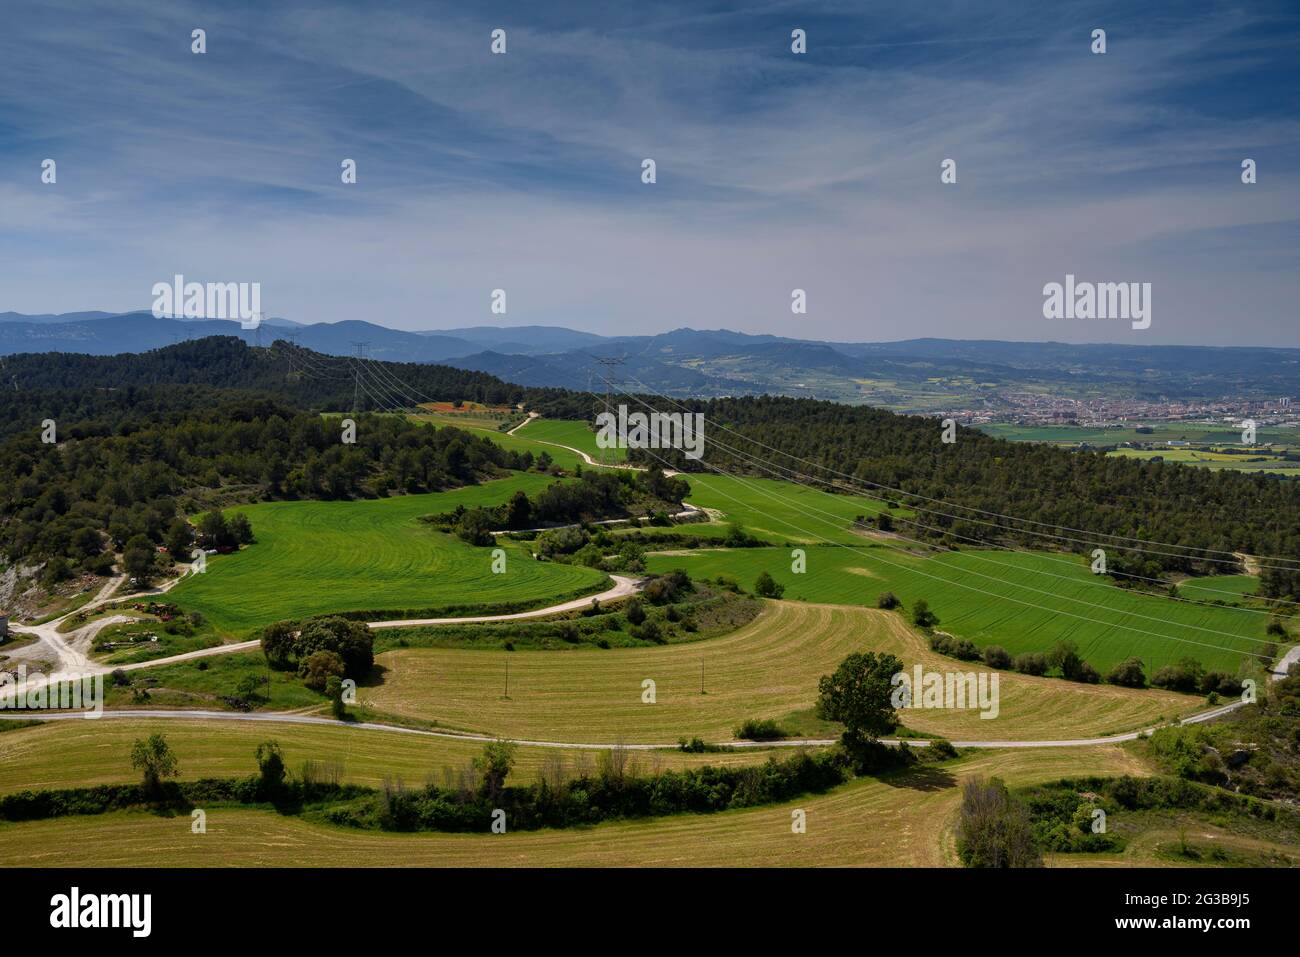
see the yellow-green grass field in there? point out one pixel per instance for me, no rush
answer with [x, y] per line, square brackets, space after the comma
[1266, 461]
[901, 820]
[767, 669]
[519, 442]
[1200, 433]
[573, 433]
[1021, 601]
[85, 753]
[312, 558]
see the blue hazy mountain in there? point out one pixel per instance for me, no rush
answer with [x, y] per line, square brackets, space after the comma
[712, 362]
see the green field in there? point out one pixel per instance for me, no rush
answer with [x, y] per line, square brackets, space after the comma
[573, 433]
[781, 511]
[317, 557]
[525, 440]
[997, 609]
[1200, 433]
[1233, 589]
[1218, 444]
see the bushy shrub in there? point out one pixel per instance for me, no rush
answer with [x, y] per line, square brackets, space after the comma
[633, 611]
[1185, 675]
[1031, 663]
[995, 656]
[1086, 674]
[993, 829]
[667, 588]
[942, 748]
[922, 616]
[649, 630]
[759, 729]
[561, 541]
[1128, 674]
[961, 648]
[317, 667]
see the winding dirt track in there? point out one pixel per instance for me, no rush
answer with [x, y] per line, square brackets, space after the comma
[70, 660]
[285, 718]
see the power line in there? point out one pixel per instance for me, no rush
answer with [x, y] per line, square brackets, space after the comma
[836, 520]
[785, 474]
[1234, 562]
[360, 352]
[610, 363]
[956, 584]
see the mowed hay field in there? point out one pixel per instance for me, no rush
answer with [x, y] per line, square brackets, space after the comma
[767, 669]
[312, 558]
[1021, 601]
[902, 820]
[64, 754]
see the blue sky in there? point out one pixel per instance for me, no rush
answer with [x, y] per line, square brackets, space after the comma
[775, 171]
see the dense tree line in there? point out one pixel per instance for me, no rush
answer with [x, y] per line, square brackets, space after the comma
[596, 496]
[1199, 514]
[103, 486]
[305, 378]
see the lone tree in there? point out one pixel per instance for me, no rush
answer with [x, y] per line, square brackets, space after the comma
[154, 760]
[768, 587]
[180, 539]
[270, 764]
[1065, 656]
[494, 765]
[138, 559]
[922, 616]
[858, 696]
[334, 691]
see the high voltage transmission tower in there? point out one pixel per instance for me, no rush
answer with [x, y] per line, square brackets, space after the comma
[610, 363]
[293, 347]
[360, 348]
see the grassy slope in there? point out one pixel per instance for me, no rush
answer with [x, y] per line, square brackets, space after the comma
[520, 442]
[857, 575]
[903, 820]
[784, 512]
[575, 434]
[316, 557]
[769, 668]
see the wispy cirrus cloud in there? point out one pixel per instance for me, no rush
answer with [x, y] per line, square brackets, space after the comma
[775, 171]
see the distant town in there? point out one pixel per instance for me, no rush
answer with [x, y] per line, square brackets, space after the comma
[1037, 409]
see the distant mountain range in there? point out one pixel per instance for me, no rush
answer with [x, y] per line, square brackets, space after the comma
[909, 375]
